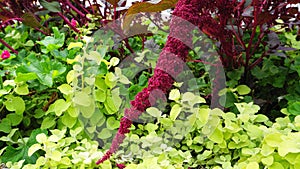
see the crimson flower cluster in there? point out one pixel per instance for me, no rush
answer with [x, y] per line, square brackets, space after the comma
[166, 70]
[5, 55]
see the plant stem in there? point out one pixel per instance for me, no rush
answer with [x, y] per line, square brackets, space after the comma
[8, 46]
[68, 22]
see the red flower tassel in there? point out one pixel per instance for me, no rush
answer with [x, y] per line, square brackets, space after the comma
[168, 67]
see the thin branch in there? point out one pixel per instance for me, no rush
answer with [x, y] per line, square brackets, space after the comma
[8, 46]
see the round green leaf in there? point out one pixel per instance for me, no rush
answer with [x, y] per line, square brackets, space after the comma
[112, 123]
[105, 134]
[68, 121]
[82, 98]
[16, 104]
[48, 122]
[154, 112]
[22, 89]
[243, 90]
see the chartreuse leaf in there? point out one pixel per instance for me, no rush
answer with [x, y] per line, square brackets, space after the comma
[105, 133]
[276, 165]
[68, 120]
[59, 106]
[82, 98]
[176, 109]
[22, 89]
[75, 45]
[112, 123]
[153, 111]
[16, 104]
[243, 90]
[216, 136]
[48, 122]
[253, 165]
[268, 160]
[114, 61]
[106, 165]
[87, 111]
[23, 77]
[273, 139]
[33, 149]
[65, 89]
[174, 94]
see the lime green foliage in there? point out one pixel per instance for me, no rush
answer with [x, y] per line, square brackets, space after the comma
[219, 139]
[61, 151]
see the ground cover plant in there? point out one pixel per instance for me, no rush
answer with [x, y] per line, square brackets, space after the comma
[108, 84]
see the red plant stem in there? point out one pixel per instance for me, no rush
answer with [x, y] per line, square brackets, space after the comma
[68, 22]
[238, 36]
[43, 32]
[8, 46]
[257, 61]
[162, 79]
[76, 10]
[115, 12]
[10, 19]
[91, 6]
[82, 7]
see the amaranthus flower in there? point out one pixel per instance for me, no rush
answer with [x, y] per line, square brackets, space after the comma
[5, 54]
[166, 69]
[73, 22]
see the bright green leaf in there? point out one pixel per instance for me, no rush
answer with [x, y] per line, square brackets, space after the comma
[176, 109]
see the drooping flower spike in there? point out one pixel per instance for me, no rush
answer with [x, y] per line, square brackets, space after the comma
[164, 72]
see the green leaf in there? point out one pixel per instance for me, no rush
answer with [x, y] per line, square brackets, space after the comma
[243, 90]
[23, 77]
[216, 136]
[12, 154]
[276, 165]
[176, 109]
[60, 106]
[33, 149]
[174, 94]
[273, 139]
[82, 98]
[75, 45]
[68, 120]
[268, 160]
[153, 111]
[15, 119]
[95, 56]
[294, 108]
[5, 125]
[51, 6]
[110, 106]
[105, 134]
[114, 61]
[16, 104]
[65, 89]
[48, 122]
[112, 123]
[22, 89]
[100, 95]
[87, 111]
[151, 127]
[252, 165]
[46, 71]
